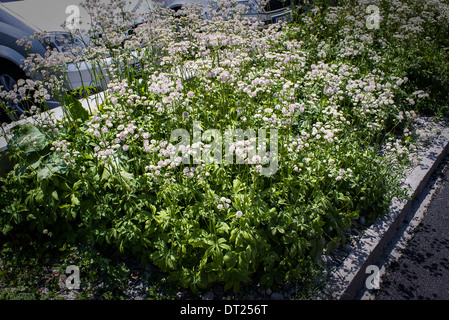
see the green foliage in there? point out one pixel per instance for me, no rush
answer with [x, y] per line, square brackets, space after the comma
[411, 39]
[336, 92]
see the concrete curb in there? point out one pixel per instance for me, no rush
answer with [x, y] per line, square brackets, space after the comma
[349, 278]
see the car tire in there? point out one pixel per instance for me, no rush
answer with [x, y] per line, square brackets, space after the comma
[9, 75]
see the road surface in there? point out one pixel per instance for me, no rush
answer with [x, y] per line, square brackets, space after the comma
[422, 272]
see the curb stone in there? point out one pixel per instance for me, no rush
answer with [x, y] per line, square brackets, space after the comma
[349, 277]
[407, 231]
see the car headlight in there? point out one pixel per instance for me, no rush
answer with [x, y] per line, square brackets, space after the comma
[64, 42]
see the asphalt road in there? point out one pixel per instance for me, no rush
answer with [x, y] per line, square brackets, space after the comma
[422, 272]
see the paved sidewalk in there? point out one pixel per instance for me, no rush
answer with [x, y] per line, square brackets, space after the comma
[422, 272]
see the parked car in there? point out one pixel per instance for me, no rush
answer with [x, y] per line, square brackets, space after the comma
[22, 18]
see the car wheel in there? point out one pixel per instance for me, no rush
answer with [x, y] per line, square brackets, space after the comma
[9, 75]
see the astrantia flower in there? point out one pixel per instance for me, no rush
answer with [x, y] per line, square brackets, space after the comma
[238, 151]
[239, 214]
[256, 159]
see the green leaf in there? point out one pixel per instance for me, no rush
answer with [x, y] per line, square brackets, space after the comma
[234, 277]
[54, 194]
[76, 185]
[6, 229]
[198, 243]
[223, 245]
[106, 174]
[75, 108]
[237, 186]
[27, 138]
[171, 260]
[44, 173]
[54, 164]
[230, 259]
[127, 177]
[222, 227]
[74, 200]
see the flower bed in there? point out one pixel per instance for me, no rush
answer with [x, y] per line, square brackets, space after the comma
[288, 133]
